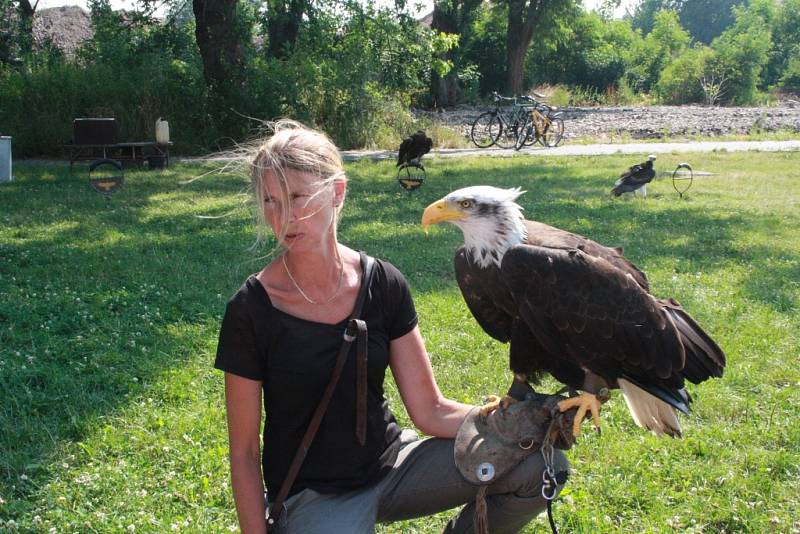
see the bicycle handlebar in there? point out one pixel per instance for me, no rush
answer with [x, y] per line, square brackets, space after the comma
[497, 97]
[525, 98]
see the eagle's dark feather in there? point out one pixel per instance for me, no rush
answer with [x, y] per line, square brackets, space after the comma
[634, 178]
[413, 148]
[569, 306]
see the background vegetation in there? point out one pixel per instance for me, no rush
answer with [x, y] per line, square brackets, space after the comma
[216, 68]
[112, 419]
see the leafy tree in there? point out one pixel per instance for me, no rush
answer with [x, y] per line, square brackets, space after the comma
[223, 29]
[785, 57]
[354, 71]
[486, 46]
[706, 19]
[16, 30]
[525, 17]
[703, 19]
[283, 21]
[584, 50]
[650, 55]
[644, 14]
[452, 17]
[791, 75]
[742, 51]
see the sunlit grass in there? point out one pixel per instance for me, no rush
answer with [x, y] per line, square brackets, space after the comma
[112, 415]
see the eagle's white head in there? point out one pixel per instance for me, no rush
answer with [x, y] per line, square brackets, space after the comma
[490, 218]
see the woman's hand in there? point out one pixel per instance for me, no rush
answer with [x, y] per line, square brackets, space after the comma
[430, 411]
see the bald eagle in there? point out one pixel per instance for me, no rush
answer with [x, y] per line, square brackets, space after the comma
[636, 178]
[575, 309]
[413, 148]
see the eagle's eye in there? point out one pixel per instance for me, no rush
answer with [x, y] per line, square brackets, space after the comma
[466, 204]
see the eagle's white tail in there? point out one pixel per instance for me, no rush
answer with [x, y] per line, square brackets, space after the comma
[650, 412]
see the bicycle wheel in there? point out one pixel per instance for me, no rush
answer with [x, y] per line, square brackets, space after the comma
[508, 134]
[554, 132]
[485, 130]
[525, 133]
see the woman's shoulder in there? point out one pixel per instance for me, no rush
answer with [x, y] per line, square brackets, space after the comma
[250, 294]
[388, 274]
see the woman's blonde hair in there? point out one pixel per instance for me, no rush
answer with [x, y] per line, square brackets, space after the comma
[293, 146]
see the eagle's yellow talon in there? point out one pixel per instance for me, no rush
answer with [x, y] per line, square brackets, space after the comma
[494, 402]
[583, 402]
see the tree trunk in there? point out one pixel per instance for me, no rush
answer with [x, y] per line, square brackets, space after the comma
[453, 17]
[283, 25]
[523, 17]
[26, 13]
[445, 89]
[218, 38]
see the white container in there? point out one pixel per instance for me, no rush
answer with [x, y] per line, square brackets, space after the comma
[5, 159]
[162, 132]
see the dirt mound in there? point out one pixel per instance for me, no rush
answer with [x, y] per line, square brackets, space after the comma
[65, 27]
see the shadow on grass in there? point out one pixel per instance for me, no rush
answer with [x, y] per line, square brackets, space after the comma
[100, 296]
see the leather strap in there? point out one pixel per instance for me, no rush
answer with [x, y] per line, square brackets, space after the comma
[361, 383]
[356, 329]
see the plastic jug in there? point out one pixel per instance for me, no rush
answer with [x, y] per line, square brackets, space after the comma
[162, 132]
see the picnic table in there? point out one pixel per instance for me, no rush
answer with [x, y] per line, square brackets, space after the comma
[97, 138]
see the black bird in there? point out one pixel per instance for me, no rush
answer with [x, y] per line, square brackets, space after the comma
[636, 178]
[413, 148]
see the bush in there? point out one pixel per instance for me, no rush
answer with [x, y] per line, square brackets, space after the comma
[791, 76]
[649, 56]
[681, 82]
[742, 51]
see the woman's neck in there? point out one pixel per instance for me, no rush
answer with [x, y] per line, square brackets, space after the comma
[316, 276]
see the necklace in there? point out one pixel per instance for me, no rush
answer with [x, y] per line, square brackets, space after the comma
[303, 293]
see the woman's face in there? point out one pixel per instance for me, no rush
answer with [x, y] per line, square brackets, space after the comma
[308, 215]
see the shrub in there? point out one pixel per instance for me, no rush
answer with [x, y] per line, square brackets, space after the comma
[791, 76]
[681, 81]
[742, 51]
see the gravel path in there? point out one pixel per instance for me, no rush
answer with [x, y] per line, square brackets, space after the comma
[655, 122]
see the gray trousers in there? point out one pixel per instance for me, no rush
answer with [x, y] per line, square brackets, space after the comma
[423, 481]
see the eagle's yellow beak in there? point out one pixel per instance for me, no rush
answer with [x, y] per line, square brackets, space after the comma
[440, 211]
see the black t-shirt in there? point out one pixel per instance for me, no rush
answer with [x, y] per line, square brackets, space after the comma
[294, 359]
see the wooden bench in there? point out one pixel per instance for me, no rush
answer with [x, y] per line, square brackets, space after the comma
[96, 138]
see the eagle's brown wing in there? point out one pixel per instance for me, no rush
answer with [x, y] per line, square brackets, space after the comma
[588, 310]
[543, 235]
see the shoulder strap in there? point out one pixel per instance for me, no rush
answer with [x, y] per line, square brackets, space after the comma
[367, 268]
[356, 329]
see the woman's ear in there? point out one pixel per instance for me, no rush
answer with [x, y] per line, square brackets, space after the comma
[339, 192]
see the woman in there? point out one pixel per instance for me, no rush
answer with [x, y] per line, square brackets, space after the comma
[279, 339]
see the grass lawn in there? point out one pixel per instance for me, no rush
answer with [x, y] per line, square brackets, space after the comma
[112, 419]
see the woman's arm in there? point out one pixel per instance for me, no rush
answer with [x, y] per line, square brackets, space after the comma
[243, 403]
[430, 411]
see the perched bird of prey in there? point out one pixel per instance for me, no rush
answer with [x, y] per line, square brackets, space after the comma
[574, 309]
[636, 178]
[413, 148]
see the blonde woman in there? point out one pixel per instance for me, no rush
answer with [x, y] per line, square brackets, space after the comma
[278, 343]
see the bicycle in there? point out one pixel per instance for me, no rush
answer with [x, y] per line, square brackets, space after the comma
[501, 125]
[542, 125]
